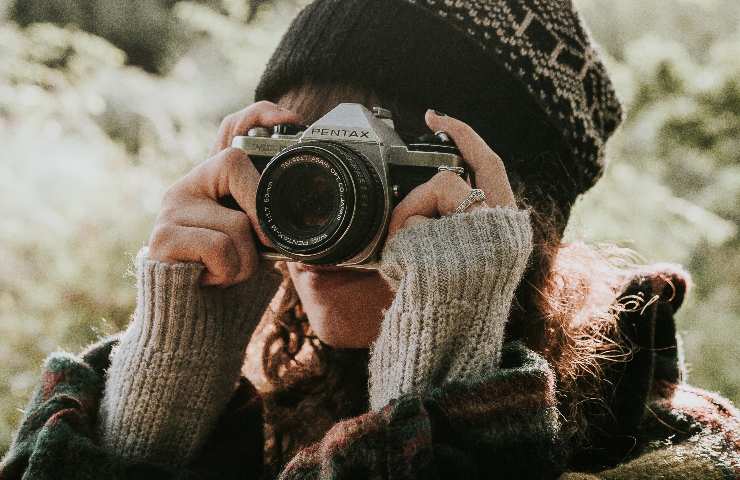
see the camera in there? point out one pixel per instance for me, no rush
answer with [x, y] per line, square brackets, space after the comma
[326, 191]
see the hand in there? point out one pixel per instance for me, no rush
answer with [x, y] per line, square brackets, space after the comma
[445, 191]
[193, 227]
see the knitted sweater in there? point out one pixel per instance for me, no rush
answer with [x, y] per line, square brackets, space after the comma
[483, 411]
[175, 367]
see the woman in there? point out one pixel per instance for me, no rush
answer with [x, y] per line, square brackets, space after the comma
[482, 348]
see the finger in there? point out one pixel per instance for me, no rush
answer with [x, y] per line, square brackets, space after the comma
[439, 196]
[230, 172]
[415, 220]
[210, 215]
[215, 250]
[263, 114]
[260, 114]
[490, 173]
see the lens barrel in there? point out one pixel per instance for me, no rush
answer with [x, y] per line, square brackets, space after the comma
[320, 202]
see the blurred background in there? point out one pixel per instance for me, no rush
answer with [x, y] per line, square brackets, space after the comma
[104, 103]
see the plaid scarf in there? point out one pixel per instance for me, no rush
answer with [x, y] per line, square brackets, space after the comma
[504, 425]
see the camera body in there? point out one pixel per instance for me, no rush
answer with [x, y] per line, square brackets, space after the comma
[326, 191]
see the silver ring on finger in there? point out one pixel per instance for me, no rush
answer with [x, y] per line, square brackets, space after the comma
[476, 195]
[459, 171]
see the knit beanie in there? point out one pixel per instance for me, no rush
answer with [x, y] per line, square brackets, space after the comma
[524, 74]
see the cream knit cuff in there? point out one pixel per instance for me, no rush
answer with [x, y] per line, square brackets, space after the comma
[177, 363]
[455, 279]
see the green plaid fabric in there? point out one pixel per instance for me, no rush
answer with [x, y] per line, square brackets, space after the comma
[505, 425]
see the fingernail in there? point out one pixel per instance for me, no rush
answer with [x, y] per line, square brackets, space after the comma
[439, 114]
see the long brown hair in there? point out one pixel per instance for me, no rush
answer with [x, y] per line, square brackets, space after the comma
[564, 308]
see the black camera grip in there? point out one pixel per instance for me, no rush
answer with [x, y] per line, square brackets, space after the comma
[406, 178]
[229, 202]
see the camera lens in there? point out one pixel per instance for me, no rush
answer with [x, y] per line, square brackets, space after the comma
[308, 198]
[320, 202]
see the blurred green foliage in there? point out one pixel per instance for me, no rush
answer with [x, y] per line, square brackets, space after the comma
[103, 104]
[672, 191]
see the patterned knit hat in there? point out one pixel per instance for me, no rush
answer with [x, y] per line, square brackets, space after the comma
[523, 74]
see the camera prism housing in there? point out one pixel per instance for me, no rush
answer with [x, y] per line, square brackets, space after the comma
[326, 191]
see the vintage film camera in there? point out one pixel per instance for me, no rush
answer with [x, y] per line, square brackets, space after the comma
[326, 191]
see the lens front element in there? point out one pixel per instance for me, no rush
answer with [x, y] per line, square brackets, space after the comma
[319, 202]
[308, 198]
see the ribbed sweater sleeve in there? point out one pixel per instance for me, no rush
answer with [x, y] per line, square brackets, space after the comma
[454, 279]
[176, 365]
